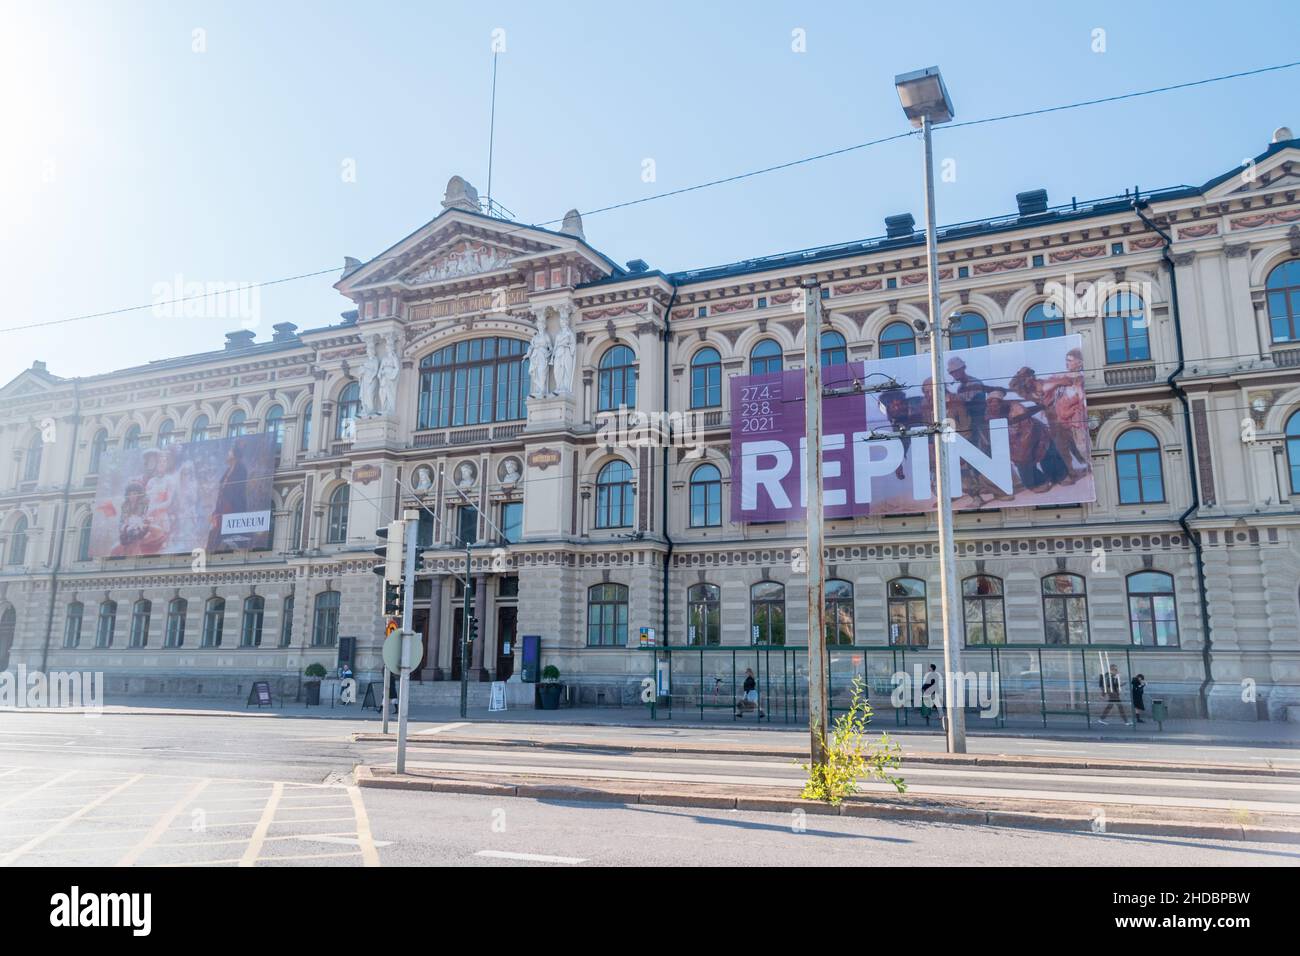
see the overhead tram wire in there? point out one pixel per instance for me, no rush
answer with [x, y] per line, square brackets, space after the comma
[699, 186]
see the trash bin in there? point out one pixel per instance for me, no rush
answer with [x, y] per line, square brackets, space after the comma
[1159, 712]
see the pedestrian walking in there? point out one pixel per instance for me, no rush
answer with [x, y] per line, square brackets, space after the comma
[749, 696]
[1139, 685]
[1110, 691]
[931, 699]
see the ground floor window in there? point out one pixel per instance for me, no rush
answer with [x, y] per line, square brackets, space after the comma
[1153, 618]
[983, 611]
[250, 631]
[214, 621]
[72, 625]
[1065, 609]
[325, 623]
[286, 622]
[839, 611]
[607, 615]
[106, 625]
[140, 622]
[176, 622]
[908, 620]
[767, 613]
[703, 615]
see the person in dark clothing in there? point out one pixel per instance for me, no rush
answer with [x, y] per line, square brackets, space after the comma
[1139, 685]
[1110, 690]
[749, 699]
[231, 496]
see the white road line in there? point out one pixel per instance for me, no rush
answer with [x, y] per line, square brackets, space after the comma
[162, 825]
[264, 824]
[66, 822]
[40, 786]
[530, 857]
[443, 727]
[333, 838]
[365, 839]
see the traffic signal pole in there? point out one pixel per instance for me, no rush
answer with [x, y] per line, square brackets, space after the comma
[818, 705]
[466, 636]
[408, 597]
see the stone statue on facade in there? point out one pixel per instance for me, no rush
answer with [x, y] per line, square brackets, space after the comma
[368, 378]
[539, 361]
[564, 353]
[390, 366]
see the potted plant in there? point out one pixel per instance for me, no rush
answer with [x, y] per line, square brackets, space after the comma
[550, 688]
[314, 673]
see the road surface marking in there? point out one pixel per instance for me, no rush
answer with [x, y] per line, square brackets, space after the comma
[164, 823]
[441, 727]
[66, 821]
[369, 853]
[530, 857]
[331, 838]
[40, 786]
[264, 824]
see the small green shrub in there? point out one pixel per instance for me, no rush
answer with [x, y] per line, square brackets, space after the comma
[850, 756]
[315, 669]
[550, 673]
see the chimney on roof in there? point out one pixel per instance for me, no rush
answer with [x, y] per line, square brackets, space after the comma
[1031, 203]
[1282, 134]
[350, 265]
[241, 339]
[900, 227]
[460, 195]
[38, 366]
[572, 225]
[637, 265]
[284, 332]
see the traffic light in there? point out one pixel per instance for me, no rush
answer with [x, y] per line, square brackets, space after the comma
[473, 629]
[391, 551]
[392, 599]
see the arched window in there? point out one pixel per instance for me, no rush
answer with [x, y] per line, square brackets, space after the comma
[237, 424]
[472, 383]
[614, 495]
[1152, 616]
[703, 615]
[336, 517]
[250, 631]
[839, 612]
[8, 626]
[1283, 290]
[607, 615]
[304, 438]
[72, 624]
[706, 379]
[325, 621]
[706, 497]
[1124, 321]
[1137, 467]
[767, 613]
[166, 433]
[98, 445]
[1044, 321]
[349, 409]
[1065, 609]
[286, 622]
[199, 430]
[897, 339]
[32, 464]
[275, 424]
[18, 542]
[1293, 450]
[176, 610]
[765, 358]
[617, 382]
[131, 440]
[214, 621]
[833, 349]
[908, 618]
[83, 539]
[106, 625]
[140, 613]
[983, 610]
[968, 331]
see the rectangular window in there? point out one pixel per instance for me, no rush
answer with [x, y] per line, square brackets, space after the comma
[512, 521]
[466, 525]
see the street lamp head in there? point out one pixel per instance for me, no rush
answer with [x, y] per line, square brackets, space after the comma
[922, 94]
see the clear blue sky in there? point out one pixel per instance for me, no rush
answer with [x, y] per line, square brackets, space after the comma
[130, 158]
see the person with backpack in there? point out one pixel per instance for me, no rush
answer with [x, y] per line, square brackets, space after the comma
[1110, 691]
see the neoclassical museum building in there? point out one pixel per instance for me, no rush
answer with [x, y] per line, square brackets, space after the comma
[427, 396]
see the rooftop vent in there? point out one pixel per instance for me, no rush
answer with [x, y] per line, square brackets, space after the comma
[1282, 134]
[1031, 203]
[637, 265]
[241, 339]
[900, 227]
[284, 332]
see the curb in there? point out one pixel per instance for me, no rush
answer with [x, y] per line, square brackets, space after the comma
[923, 758]
[366, 777]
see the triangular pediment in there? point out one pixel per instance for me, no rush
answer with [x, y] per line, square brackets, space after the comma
[461, 257]
[1277, 169]
[29, 382]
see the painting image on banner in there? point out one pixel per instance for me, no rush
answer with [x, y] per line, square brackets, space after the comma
[214, 495]
[1016, 432]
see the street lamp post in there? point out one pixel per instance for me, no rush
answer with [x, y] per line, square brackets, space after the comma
[925, 102]
[818, 704]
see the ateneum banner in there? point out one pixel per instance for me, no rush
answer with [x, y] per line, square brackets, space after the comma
[1017, 434]
[214, 495]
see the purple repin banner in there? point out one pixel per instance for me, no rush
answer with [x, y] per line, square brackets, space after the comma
[1017, 430]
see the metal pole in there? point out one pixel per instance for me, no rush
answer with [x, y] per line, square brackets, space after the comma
[387, 696]
[949, 592]
[464, 638]
[812, 391]
[408, 598]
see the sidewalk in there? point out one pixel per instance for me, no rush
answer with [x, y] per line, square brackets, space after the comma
[1229, 733]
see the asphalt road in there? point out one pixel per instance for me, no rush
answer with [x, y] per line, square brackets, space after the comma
[229, 791]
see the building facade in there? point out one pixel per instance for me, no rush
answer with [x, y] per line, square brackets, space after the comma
[584, 532]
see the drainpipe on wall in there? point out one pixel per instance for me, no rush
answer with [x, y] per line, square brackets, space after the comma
[61, 526]
[663, 478]
[1207, 644]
